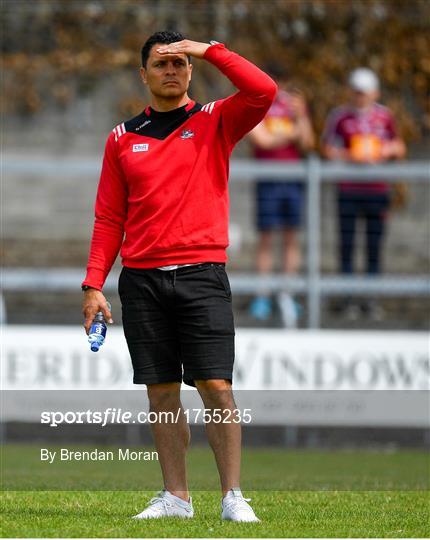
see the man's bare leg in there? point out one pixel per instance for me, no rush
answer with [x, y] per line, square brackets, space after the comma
[291, 251]
[224, 438]
[171, 439]
[264, 252]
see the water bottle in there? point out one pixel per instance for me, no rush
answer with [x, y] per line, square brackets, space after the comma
[97, 332]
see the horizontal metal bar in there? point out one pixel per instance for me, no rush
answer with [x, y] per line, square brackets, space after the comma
[240, 169]
[404, 170]
[391, 285]
[250, 169]
[334, 285]
[69, 279]
[245, 169]
[51, 167]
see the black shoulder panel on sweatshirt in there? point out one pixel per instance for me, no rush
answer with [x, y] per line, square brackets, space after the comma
[159, 125]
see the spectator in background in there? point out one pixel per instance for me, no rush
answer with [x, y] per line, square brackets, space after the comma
[286, 135]
[362, 132]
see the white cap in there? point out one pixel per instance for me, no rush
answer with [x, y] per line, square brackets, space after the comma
[363, 80]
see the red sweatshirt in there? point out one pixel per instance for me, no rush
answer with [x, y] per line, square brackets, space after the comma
[163, 196]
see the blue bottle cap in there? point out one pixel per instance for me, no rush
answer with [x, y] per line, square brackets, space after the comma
[95, 346]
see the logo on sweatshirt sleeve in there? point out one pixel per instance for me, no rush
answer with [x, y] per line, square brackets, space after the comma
[141, 147]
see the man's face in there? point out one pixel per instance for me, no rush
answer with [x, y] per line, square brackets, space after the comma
[362, 100]
[167, 76]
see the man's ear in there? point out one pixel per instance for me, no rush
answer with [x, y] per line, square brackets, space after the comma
[143, 75]
[190, 72]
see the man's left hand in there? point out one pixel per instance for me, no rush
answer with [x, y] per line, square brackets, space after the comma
[191, 48]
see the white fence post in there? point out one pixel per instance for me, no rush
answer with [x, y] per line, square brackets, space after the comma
[3, 314]
[313, 192]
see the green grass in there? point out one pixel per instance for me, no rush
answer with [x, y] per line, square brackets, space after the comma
[262, 469]
[283, 514]
[295, 493]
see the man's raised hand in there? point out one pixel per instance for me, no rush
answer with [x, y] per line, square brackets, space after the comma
[186, 46]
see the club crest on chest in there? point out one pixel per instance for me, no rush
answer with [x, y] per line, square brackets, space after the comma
[187, 134]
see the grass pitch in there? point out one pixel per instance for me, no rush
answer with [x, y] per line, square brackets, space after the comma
[295, 494]
[273, 469]
[283, 514]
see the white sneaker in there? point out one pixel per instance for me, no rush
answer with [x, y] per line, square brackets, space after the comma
[167, 505]
[236, 508]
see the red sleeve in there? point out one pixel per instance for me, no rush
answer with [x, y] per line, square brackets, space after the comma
[110, 216]
[247, 108]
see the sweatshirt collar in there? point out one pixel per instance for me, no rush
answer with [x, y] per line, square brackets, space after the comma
[149, 111]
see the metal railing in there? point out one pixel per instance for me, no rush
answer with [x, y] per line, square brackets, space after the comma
[313, 172]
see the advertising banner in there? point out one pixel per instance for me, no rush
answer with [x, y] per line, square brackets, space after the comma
[59, 358]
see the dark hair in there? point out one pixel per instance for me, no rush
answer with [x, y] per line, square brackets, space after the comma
[166, 36]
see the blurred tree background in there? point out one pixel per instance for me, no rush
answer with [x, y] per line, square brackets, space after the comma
[70, 73]
[60, 57]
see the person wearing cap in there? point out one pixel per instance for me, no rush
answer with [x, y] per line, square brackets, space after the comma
[285, 135]
[362, 131]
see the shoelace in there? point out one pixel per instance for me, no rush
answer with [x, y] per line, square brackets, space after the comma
[240, 502]
[156, 501]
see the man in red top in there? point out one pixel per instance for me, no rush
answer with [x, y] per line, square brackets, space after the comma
[362, 132]
[285, 135]
[163, 201]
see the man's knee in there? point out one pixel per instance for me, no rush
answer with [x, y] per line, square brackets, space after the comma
[216, 392]
[164, 396]
[213, 385]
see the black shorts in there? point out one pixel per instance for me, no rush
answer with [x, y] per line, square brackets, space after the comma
[178, 323]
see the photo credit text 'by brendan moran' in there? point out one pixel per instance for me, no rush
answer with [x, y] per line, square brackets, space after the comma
[119, 454]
